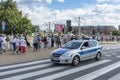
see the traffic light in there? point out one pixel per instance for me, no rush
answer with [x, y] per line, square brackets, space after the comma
[63, 30]
[69, 29]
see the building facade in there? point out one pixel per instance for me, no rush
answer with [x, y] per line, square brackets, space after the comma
[93, 30]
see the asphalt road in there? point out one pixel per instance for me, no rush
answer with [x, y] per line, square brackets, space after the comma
[108, 68]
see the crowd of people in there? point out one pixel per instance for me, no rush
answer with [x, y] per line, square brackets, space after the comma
[58, 40]
[19, 43]
[51, 41]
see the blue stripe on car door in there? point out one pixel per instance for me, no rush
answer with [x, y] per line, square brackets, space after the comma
[88, 51]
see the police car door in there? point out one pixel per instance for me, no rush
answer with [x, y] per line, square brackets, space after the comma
[93, 48]
[85, 51]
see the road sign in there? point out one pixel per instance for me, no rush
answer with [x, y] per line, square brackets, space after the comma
[3, 25]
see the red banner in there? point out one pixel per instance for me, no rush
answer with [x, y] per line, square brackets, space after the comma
[58, 27]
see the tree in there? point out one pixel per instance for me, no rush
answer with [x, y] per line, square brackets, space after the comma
[14, 18]
[36, 28]
[116, 32]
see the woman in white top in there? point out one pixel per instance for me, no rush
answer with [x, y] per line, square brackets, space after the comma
[49, 42]
[17, 43]
[23, 45]
[3, 45]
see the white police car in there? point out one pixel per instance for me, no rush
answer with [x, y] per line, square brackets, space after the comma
[77, 50]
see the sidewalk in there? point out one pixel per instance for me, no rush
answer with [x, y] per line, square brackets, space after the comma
[110, 42]
[9, 57]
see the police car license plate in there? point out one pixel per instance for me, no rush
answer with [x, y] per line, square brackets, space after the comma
[55, 58]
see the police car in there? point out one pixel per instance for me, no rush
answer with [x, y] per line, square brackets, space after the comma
[77, 50]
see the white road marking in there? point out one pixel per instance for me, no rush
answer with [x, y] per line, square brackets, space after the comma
[118, 56]
[116, 77]
[67, 72]
[107, 55]
[23, 64]
[23, 69]
[27, 75]
[99, 72]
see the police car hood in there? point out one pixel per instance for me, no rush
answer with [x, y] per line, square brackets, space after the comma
[61, 51]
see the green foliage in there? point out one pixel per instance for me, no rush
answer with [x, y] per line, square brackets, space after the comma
[116, 32]
[14, 18]
[36, 28]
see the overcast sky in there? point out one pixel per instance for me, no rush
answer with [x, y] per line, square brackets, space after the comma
[94, 12]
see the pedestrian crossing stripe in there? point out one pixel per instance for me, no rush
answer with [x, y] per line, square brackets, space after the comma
[23, 69]
[116, 77]
[23, 64]
[110, 54]
[67, 72]
[118, 56]
[110, 48]
[106, 48]
[49, 68]
[27, 75]
[107, 55]
[99, 72]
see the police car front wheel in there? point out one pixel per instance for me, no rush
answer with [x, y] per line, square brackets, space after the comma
[76, 61]
[98, 56]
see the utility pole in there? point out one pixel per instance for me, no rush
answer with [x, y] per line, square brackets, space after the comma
[79, 25]
[84, 26]
[78, 19]
[49, 27]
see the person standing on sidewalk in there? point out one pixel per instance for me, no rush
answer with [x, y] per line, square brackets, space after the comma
[45, 42]
[3, 45]
[52, 41]
[8, 42]
[1, 40]
[23, 45]
[35, 44]
[17, 42]
[59, 41]
[49, 42]
[11, 42]
[14, 44]
[38, 38]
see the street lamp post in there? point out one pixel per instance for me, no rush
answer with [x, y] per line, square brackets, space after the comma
[78, 19]
[79, 25]
[84, 25]
[49, 26]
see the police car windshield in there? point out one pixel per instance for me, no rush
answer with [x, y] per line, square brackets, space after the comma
[72, 45]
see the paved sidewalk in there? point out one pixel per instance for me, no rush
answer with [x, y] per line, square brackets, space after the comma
[9, 57]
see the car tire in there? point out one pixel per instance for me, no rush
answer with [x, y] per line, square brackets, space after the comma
[98, 56]
[76, 61]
